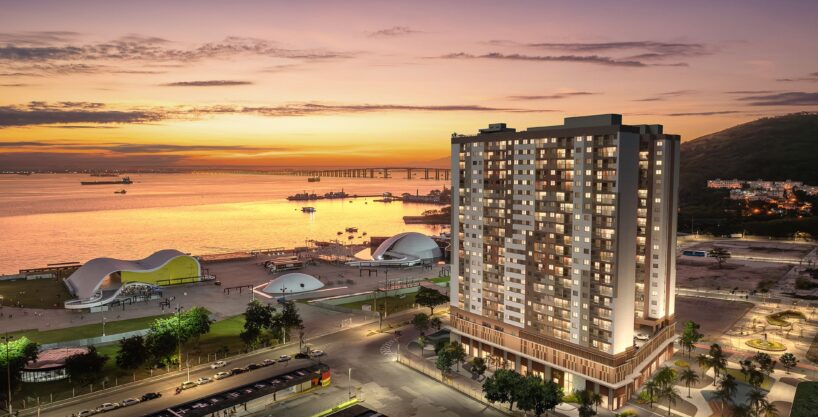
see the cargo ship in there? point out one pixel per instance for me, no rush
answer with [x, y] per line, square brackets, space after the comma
[125, 180]
[305, 196]
[336, 194]
[314, 179]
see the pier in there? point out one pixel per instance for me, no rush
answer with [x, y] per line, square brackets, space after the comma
[437, 174]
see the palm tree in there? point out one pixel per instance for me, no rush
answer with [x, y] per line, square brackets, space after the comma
[689, 377]
[726, 391]
[597, 400]
[717, 359]
[651, 387]
[666, 376]
[756, 397]
[767, 409]
[671, 394]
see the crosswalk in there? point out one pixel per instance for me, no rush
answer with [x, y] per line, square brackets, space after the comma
[386, 348]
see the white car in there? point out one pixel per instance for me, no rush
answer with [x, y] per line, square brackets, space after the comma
[107, 407]
[218, 364]
[222, 375]
[187, 385]
[203, 380]
[284, 358]
[86, 413]
[641, 336]
[316, 353]
[129, 401]
[268, 362]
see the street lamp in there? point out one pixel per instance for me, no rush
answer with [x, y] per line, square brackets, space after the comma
[7, 339]
[103, 326]
[349, 384]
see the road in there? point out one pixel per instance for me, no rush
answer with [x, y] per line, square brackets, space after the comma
[383, 384]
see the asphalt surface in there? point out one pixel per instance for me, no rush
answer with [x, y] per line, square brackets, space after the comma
[382, 383]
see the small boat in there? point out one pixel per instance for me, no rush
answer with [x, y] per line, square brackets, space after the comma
[303, 196]
[314, 179]
[340, 233]
[120, 192]
[364, 233]
[350, 237]
[308, 209]
[352, 229]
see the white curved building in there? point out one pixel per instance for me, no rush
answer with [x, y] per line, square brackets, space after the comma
[102, 280]
[404, 249]
[295, 282]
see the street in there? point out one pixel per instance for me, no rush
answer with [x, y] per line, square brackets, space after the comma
[383, 384]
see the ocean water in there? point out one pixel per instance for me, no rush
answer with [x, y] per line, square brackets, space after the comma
[51, 218]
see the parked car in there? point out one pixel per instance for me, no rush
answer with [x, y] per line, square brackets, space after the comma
[268, 362]
[316, 353]
[641, 336]
[237, 371]
[107, 407]
[301, 355]
[187, 385]
[218, 364]
[222, 375]
[203, 380]
[284, 358]
[151, 396]
[86, 413]
[129, 401]
[253, 366]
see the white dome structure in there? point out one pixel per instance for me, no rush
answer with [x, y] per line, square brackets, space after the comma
[295, 282]
[408, 246]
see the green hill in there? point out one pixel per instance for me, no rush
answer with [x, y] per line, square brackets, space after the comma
[774, 148]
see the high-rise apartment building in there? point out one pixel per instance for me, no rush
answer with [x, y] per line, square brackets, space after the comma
[563, 248]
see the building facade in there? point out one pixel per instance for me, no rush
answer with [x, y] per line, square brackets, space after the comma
[563, 245]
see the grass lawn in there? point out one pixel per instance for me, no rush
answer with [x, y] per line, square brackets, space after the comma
[768, 382]
[394, 304]
[36, 293]
[223, 333]
[88, 330]
[440, 280]
[806, 400]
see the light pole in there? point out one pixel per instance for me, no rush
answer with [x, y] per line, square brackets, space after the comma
[7, 339]
[103, 326]
[349, 384]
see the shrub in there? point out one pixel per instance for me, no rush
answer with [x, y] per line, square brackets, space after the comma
[682, 363]
[626, 413]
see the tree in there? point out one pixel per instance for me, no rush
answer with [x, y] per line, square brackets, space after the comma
[721, 255]
[435, 323]
[445, 360]
[430, 298]
[788, 361]
[161, 346]
[503, 387]
[765, 362]
[665, 377]
[20, 351]
[538, 396]
[756, 378]
[726, 390]
[755, 398]
[747, 365]
[250, 335]
[717, 359]
[132, 353]
[586, 402]
[478, 367]
[84, 367]
[259, 315]
[690, 336]
[742, 410]
[704, 363]
[652, 388]
[767, 409]
[671, 394]
[689, 377]
[421, 323]
[289, 316]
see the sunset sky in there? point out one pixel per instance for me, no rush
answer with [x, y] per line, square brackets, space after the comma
[102, 84]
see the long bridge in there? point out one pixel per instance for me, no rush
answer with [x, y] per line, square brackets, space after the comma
[391, 172]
